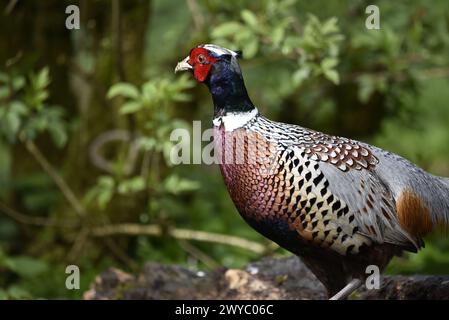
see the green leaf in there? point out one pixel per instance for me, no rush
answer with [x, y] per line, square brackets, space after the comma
[132, 185]
[26, 266]
[131, 107]
[18, 107]
[106, 182]
[250, 18]
[13, 121]
[329, 63]
[332, 75]
[147, 143]
[123, 89]
[226, 29]
[58, 134]
[185, 82]
[251, 47]
[149, 90]
[18, 82]
[181, 97]
[175, 185]
[278, 35]
[330, 26]
[102, 192]
[16, 292]
[42, 79]
[300, 75]
[104, 198]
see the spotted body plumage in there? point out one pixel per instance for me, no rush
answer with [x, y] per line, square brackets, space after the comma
[288, 189]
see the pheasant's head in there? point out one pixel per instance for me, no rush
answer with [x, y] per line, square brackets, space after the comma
[206, 59]
[218, 68]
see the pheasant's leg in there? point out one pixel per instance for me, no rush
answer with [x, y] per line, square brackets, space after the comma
[347, 290]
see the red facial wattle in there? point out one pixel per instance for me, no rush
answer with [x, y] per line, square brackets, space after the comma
[202, 62]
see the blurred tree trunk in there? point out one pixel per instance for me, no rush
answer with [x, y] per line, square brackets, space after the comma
[83, 64]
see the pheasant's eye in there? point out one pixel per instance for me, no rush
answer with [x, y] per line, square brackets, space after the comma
[201, 58]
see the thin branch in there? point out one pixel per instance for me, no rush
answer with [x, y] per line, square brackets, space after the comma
[134, 229]
[120, 254]
[10, 7]
[36, 221]
[199, 254]
[117, 39]
[60, 182]
[434, 73]
[13, 60]
[198, 19]
[83, 235]
[185, 234]
[78, 244]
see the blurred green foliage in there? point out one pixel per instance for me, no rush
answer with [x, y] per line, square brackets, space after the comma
[24, 109]
[307, 62]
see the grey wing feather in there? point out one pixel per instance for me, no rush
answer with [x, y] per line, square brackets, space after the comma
[371, 202]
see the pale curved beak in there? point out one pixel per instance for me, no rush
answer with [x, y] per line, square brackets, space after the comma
[183, 65]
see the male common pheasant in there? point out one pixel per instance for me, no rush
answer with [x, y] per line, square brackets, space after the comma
[337, 203]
